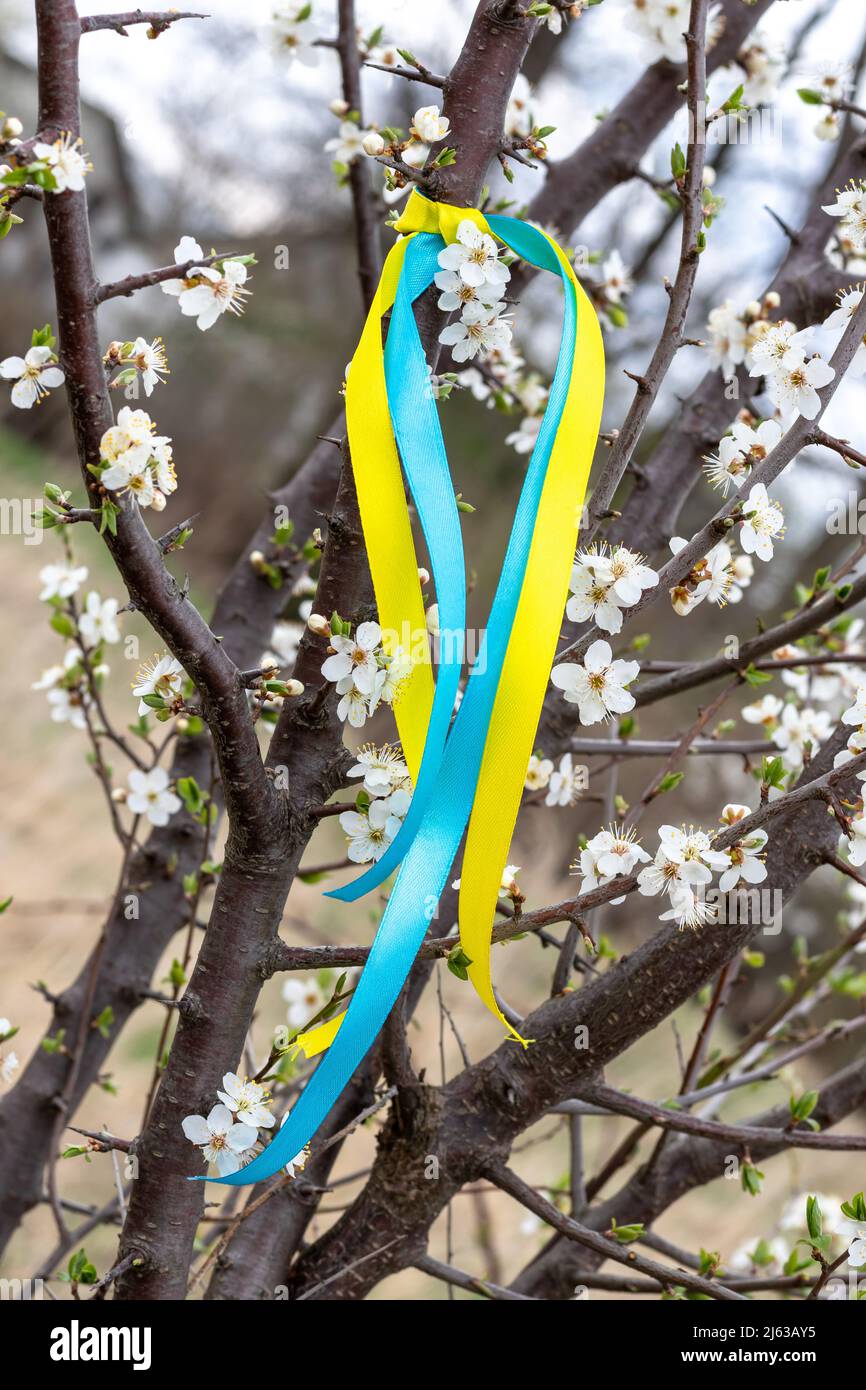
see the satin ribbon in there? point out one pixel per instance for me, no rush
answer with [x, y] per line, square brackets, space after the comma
[476, 771]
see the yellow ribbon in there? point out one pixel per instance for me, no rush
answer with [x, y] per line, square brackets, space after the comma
[393, 564]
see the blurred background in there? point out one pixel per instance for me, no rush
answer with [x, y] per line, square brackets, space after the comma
[206, 133]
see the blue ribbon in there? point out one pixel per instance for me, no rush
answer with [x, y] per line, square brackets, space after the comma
[450, 793]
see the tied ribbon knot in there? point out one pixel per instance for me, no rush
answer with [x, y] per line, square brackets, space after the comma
[468, 768]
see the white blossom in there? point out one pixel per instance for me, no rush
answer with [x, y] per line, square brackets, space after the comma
[566, 783]
[163, 676]
[593, 597]
[34, 375]
[66, 162]
[383, 769]
[728, 338]
[474, 256]
[598, 685]
[796, 729]
[348, 143]
[149, 795]
[371, 831]
[98, 621]
[247, 1100]
[850, 208]
[765, 711]
[480, 329]
[221, 1141]
[763, 522]
[428, 125]
[294, 33]
[537, 773]
[612, 853]
[353, 663]
[61, 581]
[305, 998]
[739, 451]
[525, 437]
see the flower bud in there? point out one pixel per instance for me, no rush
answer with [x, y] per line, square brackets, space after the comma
[258, 561]
[11, 128]
[423, 575]
[772, 299]
[181, 724]
[158, 502]
[709, 176]
[294, 688]
[338, 106]
[753, 310]
[319, 625]
[118, 794]
[373, 143]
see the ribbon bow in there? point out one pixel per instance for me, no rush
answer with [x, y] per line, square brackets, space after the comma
[467, 768]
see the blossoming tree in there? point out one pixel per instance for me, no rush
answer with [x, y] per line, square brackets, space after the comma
[247, 722]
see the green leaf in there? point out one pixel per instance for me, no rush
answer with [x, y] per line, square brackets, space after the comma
[810, 97]
[669, 781]
[80, 1270]
[802, 1107]
[678, 161]
[814, 1220]
[751, 1179]
[458, 963]
[756, 677]
[626, 1234]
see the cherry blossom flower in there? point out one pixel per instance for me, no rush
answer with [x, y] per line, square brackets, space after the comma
[353, 662]
[855, 841]
[428, 126]
[745, 861]
[850, 208]
[662, 25]
[66, 690]
[838, 321]
[765, 711]
[247, 1100]
[593, 597]
[709, 579]
[348, 143]
[221, 1141]
[34, 375]
[474, 256]
[798, 728]
[9, 1065]
[216, 292]
[612, 853]
[370, 832]
[163, 676]
[61, 581]
[763, 522]
[479, 330]
[305, 998]
[738, 453]
[537, 773]
[383, 769]
[616, 278]
[294, 33]
[149, 795]
[728, 338]
[857, 1251]
[150, 361]
[566, 783]
[98, 622]
[763, 67]
[524, 439]
[683, 863]
[66, 162]
[458, 293]
[598, 686]
[794, 389]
